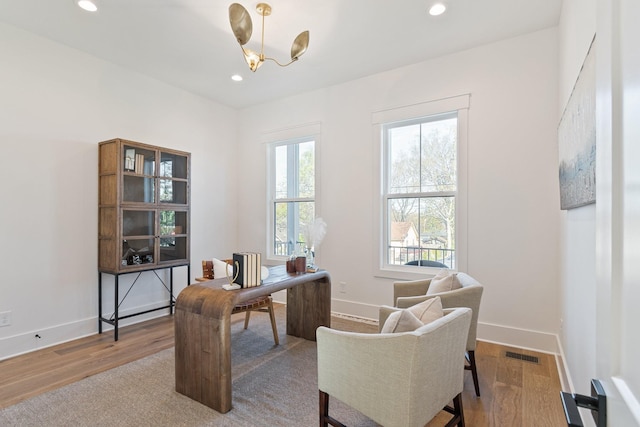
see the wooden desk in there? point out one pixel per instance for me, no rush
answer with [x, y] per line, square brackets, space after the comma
[203, 328]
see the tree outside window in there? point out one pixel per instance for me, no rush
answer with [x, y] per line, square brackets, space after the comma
[420, 190]
[294, 194]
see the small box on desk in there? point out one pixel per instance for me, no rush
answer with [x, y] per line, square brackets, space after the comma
[207, 269]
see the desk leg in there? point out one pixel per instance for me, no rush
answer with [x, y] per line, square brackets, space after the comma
[308, 306]
[203, 336]
[203, 350]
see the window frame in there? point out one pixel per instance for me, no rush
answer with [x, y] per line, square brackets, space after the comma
[417, 113]
[276, 139]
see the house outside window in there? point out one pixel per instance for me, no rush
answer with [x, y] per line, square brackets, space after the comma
[292, 192]
[423, 185]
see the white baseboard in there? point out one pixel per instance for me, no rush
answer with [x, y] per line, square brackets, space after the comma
[366, 312]
[563, 370]
[356, 309]
[517, 337]
[46, 337]
[499, 334]
[363, 312]
[53, 335]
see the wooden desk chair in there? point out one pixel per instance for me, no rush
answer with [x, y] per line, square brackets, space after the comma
[263, 304]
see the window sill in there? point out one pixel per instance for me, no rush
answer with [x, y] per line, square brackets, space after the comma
[406, 272]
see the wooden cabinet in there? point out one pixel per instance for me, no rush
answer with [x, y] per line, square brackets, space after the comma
[144, 197]
[143, 217]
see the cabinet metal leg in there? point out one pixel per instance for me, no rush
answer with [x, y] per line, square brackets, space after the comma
[115, 305]
[115, 318]
[99, 302]
[171, 291]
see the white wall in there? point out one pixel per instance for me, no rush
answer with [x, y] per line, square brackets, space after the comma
[61, 103]
[513, 179]
[576, 31]
[56, 104]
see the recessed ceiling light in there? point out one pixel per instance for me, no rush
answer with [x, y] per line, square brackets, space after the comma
[88, 5]
[236, 78]
[437, 9]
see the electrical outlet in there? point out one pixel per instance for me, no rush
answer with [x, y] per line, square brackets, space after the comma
[5, 318]
[343, 287]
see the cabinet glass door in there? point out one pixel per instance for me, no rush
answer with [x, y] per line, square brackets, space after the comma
[138, 184]
[138, 238]
[173, 165]
[173, 235]
[173, 178]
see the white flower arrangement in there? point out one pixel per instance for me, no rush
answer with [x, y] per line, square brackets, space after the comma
[314, 233]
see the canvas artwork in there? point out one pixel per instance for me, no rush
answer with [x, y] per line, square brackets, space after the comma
[577, 140]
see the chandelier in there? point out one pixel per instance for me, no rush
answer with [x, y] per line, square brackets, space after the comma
[242, 29]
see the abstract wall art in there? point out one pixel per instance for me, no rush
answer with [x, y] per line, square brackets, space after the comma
[577, 140]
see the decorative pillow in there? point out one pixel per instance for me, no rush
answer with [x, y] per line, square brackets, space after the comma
[427, 311]
[443, 282]
[400, 321]
[219, 267]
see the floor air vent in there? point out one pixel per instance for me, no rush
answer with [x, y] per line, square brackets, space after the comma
[520, 356]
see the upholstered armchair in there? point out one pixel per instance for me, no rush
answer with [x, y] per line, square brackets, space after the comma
[397, 379]
[409, 293]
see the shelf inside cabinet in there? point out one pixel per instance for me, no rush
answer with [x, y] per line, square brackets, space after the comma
[139, 160]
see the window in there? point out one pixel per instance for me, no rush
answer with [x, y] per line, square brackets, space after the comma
[422, 210]
[292, 193]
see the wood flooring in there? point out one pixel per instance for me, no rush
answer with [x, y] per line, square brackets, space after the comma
[43, 370]
[514, 393]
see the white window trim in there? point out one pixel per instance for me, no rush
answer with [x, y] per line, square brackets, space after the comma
[460, 104]
[279, 137]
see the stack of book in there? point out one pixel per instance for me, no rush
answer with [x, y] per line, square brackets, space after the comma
[246, 265]
[139, 164]
[134, 161]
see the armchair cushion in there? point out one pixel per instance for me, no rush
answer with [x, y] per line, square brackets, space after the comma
[427, 311]
[444, 282]
[412, 318]
[383, 314]
[401, 321]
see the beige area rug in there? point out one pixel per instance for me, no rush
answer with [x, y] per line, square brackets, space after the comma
[272, 386]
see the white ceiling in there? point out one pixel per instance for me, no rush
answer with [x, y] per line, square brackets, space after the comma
[189, 43]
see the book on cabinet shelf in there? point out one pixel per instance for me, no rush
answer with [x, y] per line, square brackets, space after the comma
[139, 164]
